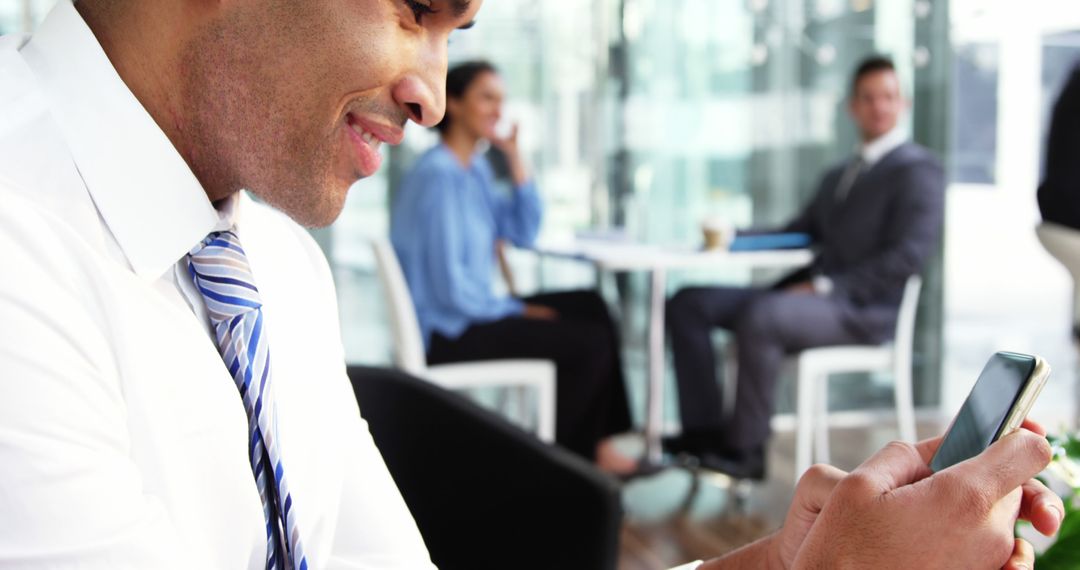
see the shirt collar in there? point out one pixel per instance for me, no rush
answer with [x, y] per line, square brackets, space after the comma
[872, 152]
[473, 161]
[146, 194]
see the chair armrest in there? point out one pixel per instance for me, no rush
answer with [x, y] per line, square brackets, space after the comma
[487, 373]
[539, 374]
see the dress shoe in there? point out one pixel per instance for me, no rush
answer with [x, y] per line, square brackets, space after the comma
[692, 443]
[678, 445]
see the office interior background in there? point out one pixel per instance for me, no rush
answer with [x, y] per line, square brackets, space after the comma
[646, 116]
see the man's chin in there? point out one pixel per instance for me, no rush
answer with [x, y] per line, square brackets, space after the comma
[313, 211]
[317, 223]
[875, 133]
[321, 217]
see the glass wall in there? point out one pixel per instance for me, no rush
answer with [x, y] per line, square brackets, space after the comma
[737, 107]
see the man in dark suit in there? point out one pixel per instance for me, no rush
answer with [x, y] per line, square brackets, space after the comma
[875, 220]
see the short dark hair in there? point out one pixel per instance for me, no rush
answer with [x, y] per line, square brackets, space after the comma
[458, 80]
[870, 65]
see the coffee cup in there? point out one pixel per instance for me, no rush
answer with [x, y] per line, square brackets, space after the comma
[717, 233]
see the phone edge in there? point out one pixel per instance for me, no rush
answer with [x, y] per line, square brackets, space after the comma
[1039, 375]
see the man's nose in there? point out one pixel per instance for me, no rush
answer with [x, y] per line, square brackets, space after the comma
[422, 91]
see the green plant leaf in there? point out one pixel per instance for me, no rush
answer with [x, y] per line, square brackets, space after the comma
[1064, 554]
[1072, 447]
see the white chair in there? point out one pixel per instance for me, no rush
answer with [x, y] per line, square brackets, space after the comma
[814, 366]
[1063, 243]
[409, 353]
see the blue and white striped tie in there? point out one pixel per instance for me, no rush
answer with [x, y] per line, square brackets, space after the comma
[221, 272]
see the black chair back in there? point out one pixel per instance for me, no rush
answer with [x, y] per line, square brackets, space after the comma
[485, 494]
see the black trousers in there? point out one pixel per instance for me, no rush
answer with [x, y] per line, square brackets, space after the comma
[768, 325]
[590, 395]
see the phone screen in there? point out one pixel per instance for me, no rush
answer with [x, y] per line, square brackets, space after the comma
[987, 407]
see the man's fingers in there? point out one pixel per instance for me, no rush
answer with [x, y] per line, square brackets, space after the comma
[1006, 465]
[928, 447]
[1023, 556]
[816, 485]
[1041, 507]
[1032, 425]
[896, 465]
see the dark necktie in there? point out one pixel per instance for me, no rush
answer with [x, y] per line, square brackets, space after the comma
[848, 178]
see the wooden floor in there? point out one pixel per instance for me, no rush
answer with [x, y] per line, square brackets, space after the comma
[661, 546]
[678, 517]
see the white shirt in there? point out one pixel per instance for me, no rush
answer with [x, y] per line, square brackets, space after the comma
[123, 439]
[873, 151]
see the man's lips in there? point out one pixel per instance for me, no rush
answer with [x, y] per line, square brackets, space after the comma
[366, 137]
[374, 131]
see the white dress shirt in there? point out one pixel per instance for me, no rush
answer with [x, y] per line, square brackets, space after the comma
[123, 439]
[873, 151]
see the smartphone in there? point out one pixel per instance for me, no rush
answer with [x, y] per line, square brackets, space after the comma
[1001, 399]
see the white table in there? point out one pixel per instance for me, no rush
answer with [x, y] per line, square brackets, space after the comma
[626, 256]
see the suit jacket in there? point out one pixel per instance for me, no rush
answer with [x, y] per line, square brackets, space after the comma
[870, 242]
[1059, 194]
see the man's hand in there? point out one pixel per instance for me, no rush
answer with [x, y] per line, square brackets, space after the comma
[540, 313]
[812, 492]
[893, 512]
[1038, 505]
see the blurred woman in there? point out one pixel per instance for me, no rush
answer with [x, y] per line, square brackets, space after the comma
[447, 221]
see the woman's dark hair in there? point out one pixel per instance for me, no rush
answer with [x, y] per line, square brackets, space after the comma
[458, 80]
[872, 64]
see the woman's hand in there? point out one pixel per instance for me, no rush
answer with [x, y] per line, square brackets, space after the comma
[508, 145]
[540, 313]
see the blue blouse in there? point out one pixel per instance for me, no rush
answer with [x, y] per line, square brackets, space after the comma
[444, 224]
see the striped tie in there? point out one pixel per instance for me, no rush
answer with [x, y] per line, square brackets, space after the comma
[221, 272]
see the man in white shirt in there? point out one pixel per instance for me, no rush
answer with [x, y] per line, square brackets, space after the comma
[141, 290]
[126, 129]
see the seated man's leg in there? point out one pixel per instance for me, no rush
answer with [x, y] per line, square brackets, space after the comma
[770, 328]
[692, 314]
